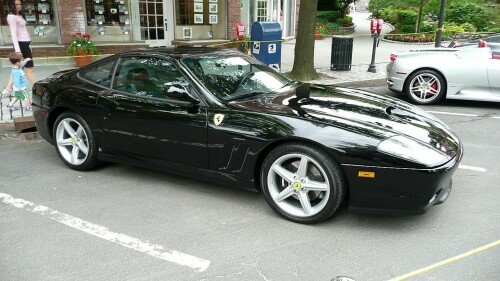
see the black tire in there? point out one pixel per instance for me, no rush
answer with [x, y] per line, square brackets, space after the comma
[425, 87]
[74, 142]
[285, 193]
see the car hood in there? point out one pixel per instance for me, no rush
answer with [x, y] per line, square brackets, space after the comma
[365, 112]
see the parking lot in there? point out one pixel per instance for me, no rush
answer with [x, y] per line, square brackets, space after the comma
[128, 223]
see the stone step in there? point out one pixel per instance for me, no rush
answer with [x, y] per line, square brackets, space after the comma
[24, 123]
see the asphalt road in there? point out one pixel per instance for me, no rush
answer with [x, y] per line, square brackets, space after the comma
[127, 223]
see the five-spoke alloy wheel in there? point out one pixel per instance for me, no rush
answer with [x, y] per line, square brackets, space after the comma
[302, 183]
[425, 87]
[74, 142]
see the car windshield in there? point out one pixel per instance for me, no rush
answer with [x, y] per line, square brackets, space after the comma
[234, 77]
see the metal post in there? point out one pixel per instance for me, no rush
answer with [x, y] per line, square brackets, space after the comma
[372, 68]
[440, 23]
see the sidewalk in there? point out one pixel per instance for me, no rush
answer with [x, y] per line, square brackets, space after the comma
[358, 76]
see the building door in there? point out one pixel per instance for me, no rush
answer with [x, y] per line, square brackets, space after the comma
[156, 22]
[261, 11]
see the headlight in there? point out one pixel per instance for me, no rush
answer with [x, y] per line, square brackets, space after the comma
[408, 149]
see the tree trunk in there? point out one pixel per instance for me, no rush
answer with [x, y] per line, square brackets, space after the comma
[419, 20]
[303, 64]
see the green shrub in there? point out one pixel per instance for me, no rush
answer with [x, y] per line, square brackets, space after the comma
[451, 29]
[467, 12]
[327, 16]
[406, 17]
[468, 27]
[494, 29]
[345, 21]
[425, 27]
[407, 28]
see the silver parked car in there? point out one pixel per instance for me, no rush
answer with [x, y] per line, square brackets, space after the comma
[428, 75]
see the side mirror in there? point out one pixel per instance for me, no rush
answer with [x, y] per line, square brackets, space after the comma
[179, 91]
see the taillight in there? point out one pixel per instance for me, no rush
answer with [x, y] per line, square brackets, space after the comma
[393, 57]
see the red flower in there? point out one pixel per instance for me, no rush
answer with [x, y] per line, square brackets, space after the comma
[78, 34]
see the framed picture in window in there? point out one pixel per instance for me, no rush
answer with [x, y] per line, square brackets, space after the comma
[212, 19]
[212, 8]
[198, 18]
[187, 31]
[198, 7]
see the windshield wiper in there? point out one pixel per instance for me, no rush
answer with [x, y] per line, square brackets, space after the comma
[246, 95]
[288, 84]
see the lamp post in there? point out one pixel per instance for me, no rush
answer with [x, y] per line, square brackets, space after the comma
[440, 23]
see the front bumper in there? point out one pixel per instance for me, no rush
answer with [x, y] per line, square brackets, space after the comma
[399, 190]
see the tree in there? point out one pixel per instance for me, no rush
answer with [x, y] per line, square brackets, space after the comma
[343, 6]
[303, 64]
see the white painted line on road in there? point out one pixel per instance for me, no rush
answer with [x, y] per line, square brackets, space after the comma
[451, 113]
[156, 251]
[460, 114]
[477, 169]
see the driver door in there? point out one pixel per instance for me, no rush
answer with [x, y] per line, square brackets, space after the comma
[146, 123]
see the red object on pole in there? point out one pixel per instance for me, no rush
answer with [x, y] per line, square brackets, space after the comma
[373, 25]
[240, 31]
[380, 24]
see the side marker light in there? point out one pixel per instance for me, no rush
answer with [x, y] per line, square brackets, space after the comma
[365, 174]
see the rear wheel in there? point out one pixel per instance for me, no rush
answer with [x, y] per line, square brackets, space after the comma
[425, 87]
[302, 183]
[74, 142]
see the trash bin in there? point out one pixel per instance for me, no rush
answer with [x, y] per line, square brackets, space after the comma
[341, 53]
[266, 43]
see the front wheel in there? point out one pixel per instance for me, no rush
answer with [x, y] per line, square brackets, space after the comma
[425, 87]
[301, 183]
[74, 142]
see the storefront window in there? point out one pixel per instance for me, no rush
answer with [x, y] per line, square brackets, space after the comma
[200, 19]
[110, 18]
[40, 16]
[36, 12]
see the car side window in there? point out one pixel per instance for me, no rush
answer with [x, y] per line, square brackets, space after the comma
[100, 74]
[148, 77]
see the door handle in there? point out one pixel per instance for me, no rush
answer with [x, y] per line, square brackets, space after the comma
[166, 25]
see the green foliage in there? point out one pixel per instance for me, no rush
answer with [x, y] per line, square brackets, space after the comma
[327, 28]
[468, 27]
[425, 27]
[494, 30]
[327, 16]
[82, 42]
[345, 21]
[451, 29]
[467, 12]
[327, 21]
[406, 17]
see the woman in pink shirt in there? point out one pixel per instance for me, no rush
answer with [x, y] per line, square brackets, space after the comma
[20, 37]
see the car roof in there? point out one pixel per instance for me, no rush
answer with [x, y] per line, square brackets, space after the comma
[179, 52]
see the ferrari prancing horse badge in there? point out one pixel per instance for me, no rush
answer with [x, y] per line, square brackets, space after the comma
[218, 119]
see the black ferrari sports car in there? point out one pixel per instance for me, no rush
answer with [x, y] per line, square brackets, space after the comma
[221, 115]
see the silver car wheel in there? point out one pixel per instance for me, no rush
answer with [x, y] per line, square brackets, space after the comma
[72, 141]
[298, 185]
[425, 87]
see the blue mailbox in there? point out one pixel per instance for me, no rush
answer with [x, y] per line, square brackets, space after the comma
[266, 43]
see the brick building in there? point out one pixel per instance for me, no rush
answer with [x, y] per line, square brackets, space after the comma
[118, 25]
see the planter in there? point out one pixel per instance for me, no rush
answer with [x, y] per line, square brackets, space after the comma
[344, 30]
[82, 58]
[317, 35]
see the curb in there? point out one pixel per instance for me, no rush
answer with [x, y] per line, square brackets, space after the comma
[362, 83]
